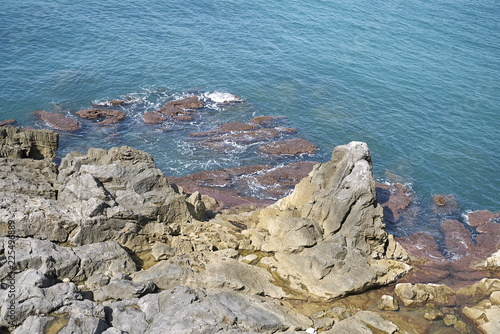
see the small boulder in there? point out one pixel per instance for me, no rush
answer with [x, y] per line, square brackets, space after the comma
[388, 303]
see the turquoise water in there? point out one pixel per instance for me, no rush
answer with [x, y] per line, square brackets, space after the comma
[417, 80]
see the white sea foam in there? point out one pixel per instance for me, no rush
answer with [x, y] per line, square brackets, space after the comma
[220, 97]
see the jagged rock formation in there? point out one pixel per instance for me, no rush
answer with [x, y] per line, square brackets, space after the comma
[328, 237]
[27, 143]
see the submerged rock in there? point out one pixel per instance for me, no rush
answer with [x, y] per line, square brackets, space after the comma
[153, 117]
[58, 121]
[393, 198]
[8, 122]
[104, 117]
[294, 146]
[332, 211]
[255, 185]
[28, 143]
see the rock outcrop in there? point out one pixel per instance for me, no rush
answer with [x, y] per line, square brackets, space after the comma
[104, 195]
[329, 226]
[103, 116]
[58, 121]
[179, 110]
[293, 146]
[27, 143]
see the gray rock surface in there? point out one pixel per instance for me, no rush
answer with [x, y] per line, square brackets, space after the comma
[76, 264]
[328, 235]
[104, 195]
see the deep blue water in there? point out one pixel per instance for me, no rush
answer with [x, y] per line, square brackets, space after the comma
[417, 80]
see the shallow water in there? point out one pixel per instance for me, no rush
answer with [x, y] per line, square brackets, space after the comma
[416, 81]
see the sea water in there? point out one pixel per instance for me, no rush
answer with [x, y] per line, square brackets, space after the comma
[417, 80]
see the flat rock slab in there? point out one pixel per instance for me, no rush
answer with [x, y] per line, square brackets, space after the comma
[105, 116]
[293, 146]
[8, 122]
[153, 117]
[58, 121]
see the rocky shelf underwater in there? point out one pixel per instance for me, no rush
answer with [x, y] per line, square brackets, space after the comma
[104, 242]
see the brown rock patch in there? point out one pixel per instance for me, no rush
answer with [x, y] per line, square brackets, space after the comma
[153, 117]
[292, 146]
[393, 198]
[104, 116]
[58, 121]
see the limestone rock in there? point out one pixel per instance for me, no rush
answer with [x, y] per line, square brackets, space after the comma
[388, 303]
[431, 313]
[485, 316]
[364, 322]
[58, 121]
[29, 177]
[76, 264]
[331, 225]
[123, 289]
[33, 299]
[185, 310]
[104, 195]
[27, 143]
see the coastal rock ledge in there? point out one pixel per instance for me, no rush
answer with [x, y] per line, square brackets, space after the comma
[104, 244]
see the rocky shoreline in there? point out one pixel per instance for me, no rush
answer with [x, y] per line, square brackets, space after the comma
[105, 243]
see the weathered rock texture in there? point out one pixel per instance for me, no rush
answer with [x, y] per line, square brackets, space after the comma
[103, 116]
[58, 121]
[257, 185]
[104, 195]
[178, 110]
[27, 143]
[328, 237]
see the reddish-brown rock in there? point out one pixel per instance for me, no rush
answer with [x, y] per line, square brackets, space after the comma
[465, 253]
[58, 121]
[116, 102]
[8, 122]
[104, 116]
[393, 198]
[226, 141]
[153, 117]
[262, 120]
[423, 250]
[445, 204]
[236, 127]
[292, 146]
[183, 117]
[257, 185]
[192, 102]
[482, 217]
